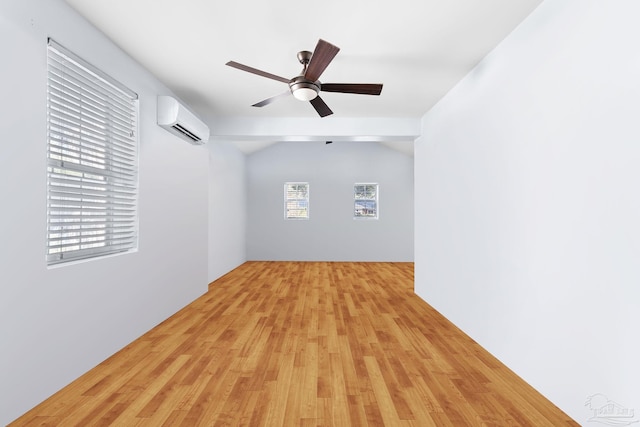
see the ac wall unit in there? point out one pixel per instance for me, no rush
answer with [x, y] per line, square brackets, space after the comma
[177, 119]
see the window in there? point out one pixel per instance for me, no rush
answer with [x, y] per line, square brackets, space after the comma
[365, 201]
[92, 161]
[296, 200]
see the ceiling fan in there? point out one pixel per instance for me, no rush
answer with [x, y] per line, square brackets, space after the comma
[306, 86]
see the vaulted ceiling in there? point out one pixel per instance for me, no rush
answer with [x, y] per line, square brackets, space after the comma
[418, 49]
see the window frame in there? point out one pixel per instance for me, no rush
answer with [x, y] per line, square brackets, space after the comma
[288, 199]
[92, 161]
[375, 199]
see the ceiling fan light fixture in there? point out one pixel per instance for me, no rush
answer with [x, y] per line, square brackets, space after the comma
[304, 94]
[303, 89]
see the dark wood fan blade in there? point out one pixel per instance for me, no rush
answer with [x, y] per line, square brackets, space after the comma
[322, 108]
[359, 88]
[323, 54]
[272, 99]
[256, 71]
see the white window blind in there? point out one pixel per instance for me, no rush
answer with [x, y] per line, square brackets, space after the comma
[365, 201]
[296, 200]
[92, 167]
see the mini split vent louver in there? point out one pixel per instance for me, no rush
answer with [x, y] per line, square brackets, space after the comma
[186, 132]
[177, 119]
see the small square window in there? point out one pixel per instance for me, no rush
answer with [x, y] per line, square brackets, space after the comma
[365, 201]
[296, 200]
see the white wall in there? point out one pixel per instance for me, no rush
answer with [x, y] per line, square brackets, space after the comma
[528, 203]
[227, 209]
[331, 233]
[57, 323]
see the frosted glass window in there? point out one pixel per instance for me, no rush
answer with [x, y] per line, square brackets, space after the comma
[296, 200]
[365, 201]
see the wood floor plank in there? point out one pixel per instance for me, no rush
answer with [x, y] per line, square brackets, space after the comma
[302, 344]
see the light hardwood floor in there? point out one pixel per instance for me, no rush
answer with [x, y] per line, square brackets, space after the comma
[302, 344]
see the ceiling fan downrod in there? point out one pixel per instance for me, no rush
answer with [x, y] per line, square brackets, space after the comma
[302, 88]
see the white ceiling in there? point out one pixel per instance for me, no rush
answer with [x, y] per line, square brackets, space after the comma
[418, 49]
